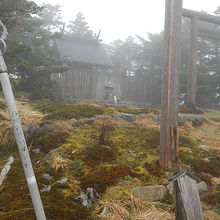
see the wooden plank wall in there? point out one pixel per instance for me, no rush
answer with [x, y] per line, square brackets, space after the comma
[81, 86]
[136, 89]
[76, 85]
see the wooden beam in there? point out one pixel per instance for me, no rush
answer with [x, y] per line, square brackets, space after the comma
[215, 35]
[202, 16]
[192, 64]
[170, 91]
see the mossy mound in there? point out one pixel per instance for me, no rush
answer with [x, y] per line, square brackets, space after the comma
[61, 111]
[186, 110]
[48, 141]
[104, 176]
[211, 166]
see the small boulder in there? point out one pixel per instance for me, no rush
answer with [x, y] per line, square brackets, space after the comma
[142, 116]
[124, 116]
[149, 192]
[202, 187]
[155, 118]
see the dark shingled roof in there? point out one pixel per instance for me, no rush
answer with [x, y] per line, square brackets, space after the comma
[83, 51]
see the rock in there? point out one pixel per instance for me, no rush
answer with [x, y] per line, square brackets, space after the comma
[155, 118]
[215, 119]
[47, 176]
[37, 151]
[182, 119]
[46, 189]
[170, 188]
[103, 117]
[124, 116]
[63, 180]
[31, 129]
[149, 192]
[196, 121]
[202, 187]
[142, 116]
[85, 121]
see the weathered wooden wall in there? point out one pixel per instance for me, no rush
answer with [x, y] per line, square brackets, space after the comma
[76, 85]
[140, 89]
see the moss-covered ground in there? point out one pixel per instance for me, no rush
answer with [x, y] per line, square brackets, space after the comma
[112, 156]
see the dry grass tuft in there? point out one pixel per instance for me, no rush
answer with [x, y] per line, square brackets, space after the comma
[147, 123]
[130, 208]
[57, 162]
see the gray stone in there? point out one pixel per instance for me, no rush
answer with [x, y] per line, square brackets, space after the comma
[170, 188]
[215, 119]
[63, 180]
[149, 192]
[47, 176]
[155, 118]
[124, 116]
[202, 187]
[85, 121]
[142, 116]
[46, 189]
[37, 151]
[103, 117]
[196, 121]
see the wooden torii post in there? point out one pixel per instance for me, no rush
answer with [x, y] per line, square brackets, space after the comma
[169, 104]
[195, 31]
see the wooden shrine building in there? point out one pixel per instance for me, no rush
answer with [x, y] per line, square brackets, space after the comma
[89, 75]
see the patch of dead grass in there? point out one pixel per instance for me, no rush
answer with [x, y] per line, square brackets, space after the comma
[130, 208]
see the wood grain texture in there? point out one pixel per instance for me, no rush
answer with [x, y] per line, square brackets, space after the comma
[190, 198]
[170, 90]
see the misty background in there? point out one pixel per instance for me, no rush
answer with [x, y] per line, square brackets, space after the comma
[131, 33]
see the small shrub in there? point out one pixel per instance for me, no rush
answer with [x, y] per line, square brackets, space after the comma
[128, 178]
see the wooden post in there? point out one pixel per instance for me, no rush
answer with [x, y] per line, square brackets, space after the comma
[170, 91]
[188, 205]
[192, 63]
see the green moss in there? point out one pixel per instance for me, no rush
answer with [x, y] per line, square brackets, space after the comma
[61, 111]
[2, 105]
[48, 141]
[58, 202]
[155, 170]
[186, 110]
[186, 141]
[211, 166]
[104, 176]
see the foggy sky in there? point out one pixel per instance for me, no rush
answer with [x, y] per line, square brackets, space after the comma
[121, 18]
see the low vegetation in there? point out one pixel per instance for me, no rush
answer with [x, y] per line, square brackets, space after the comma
[111, 155]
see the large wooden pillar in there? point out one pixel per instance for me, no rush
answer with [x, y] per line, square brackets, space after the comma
[192, 63]
[170, 91]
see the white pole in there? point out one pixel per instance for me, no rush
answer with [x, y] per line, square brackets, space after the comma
[20, 140]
